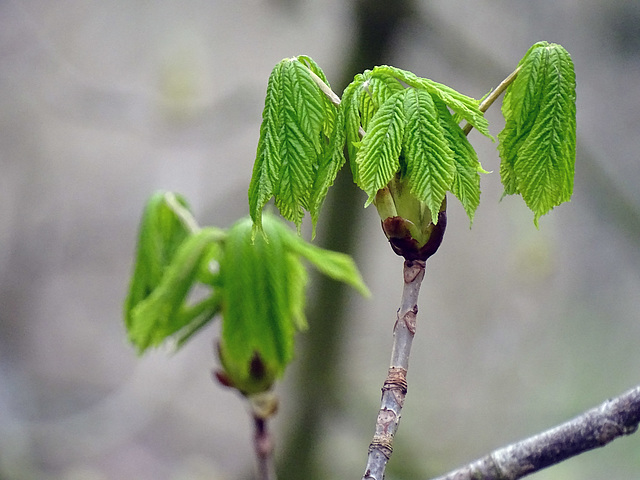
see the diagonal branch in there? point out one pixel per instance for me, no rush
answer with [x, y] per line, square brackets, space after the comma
[594, 428]
[394, 389]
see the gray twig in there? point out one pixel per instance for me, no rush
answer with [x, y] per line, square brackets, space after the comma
[394, 389]
[595, 428]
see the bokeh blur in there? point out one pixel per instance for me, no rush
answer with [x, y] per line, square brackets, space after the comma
[519, 329]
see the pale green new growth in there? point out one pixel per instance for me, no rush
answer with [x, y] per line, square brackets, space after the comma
[466, 107]
[413, 138]
[168, 262]
[390, 130]
[293, 140]
[257, 284]
[537, 145]
[430, 162]
[263, 295]
[377, 161]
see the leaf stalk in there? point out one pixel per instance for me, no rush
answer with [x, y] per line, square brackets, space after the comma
[493, 96]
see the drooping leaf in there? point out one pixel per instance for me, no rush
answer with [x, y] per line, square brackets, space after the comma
[257, 327]
[466, 177]
[329, 167]
[164, 312]
[537, 145]
[263, 295]
[161, 233]
[360, 100]
[430, 163]
[330, 110]
[335, 265]
[377, 161]
[373, 93]
[266, 169]
[292, 141]
[465, 106]
[350, 106]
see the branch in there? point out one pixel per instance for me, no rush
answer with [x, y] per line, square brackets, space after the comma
[394, 389]
[263, 407]
[493, 96]
[594, 428]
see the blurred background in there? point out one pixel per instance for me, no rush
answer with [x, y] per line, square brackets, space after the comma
[519, 329]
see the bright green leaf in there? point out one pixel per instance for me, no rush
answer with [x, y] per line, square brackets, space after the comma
[430, 165]
[466, 106]
[329, 167]
[372, 94]
[329, 107]
[161, 233]
[292, 141]
[466, 177]
[350, 105]
[164, 312]
[537, 145]
[377, 161]
[266, 169]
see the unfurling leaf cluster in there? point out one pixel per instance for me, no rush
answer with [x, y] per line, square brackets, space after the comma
[393, 124]
[403, 142]
[257, 285]
[412, 138]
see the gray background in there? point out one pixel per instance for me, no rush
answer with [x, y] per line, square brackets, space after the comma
[519, 329]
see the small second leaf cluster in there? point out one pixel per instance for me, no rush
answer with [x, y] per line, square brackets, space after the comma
[185, 275]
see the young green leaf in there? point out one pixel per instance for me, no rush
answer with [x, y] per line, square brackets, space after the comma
[466, 107]
[335, 265]
[377, 161]
[257, 326]
[466, 177]
[164, 312]
[263, 285]
[161, 233]
[373, 93]
[537, 145]
[329, 167]
[430, 162]
[329, 107]
[292, 141]
[266, 169]
[351, 108]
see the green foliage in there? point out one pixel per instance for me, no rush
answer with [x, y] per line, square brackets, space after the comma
[538, 143]
[378, 159]
[389, 129]
[169, 262]
[466, 107]
[257, 284]
[399, 128]
[263, 296]
[406, 151]
[296, 122]
[414, 139]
